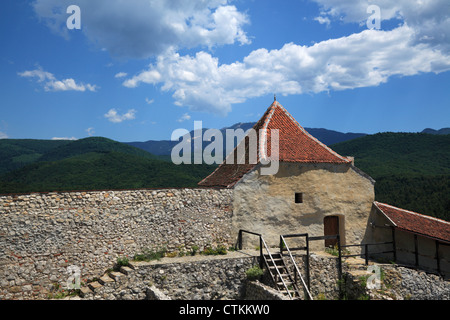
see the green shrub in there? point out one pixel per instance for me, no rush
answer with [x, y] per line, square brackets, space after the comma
[149, 255]
[219, 250]
[123, 262]
[194, 250]
[254, 273]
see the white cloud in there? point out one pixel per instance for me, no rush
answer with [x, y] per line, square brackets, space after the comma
[364, 59]
[3, 135]
[429, 19]
[114, 117]
[184, 117]
[64, 138]
[323, 20]
[90, 131]
[50, 83]
[141, 29]
[149, 101]
[121, 75]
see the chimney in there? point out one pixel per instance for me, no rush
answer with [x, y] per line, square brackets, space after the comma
[352, 159]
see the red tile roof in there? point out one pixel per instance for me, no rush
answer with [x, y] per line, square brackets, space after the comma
[415, 222]
[295, 145]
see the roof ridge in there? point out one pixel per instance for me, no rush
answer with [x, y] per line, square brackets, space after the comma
[277, 104]
[295, 145]
[412, 212]
[376, 203]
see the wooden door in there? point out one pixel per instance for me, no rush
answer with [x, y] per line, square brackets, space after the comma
[331, 227]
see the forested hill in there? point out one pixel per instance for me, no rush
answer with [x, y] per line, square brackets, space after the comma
[412, 170]
[88, 164]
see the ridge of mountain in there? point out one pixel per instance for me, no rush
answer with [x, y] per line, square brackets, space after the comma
[164, 147]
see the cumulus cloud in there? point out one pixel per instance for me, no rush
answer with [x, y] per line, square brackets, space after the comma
[323, 20]
[159, 28]
[140, 29]
[184, 117]
[363, 59]
[50, 83]
[3, 135]
[113, 116]
[429, 19]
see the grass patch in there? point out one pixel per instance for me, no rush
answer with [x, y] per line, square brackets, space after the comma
[149, 255]
[254, 273]
[219, 250]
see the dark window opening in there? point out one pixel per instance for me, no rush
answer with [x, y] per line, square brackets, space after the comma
[298, 197]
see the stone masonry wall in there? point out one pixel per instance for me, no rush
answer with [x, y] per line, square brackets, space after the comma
[189, 278]
[41, 235]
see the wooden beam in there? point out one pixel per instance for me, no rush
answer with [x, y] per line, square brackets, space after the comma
[438, 263]
[416, 249]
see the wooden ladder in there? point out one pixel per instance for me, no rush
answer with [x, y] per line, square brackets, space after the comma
[281, 276]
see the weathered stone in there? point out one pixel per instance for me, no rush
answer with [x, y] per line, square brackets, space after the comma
[94, 285]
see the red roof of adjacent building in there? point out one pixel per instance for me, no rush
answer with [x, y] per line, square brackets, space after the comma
[295, 145]
[415, 222]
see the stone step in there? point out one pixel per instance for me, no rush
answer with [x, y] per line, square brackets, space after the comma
[84, 291]
[126, 270]
[116, 275]
[106, 279]
[360, 273]
[94, 285]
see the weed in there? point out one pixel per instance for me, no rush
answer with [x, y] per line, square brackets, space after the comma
[58, 293]
[219, 250]
[123, 262]
[194, 250]
[334, 251]
[149, 255]
[254, 273]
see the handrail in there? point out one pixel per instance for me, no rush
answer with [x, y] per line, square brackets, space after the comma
[239, 243]
[296, 267]
[366, 250]
[261, 243]
[278, 271]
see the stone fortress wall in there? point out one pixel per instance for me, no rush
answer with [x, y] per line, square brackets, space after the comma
[42, 234]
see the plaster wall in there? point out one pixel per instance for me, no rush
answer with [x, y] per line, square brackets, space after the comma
[266, 204]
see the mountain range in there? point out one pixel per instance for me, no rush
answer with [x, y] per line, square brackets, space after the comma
[328, 137]
[165, 147]
[412, 170]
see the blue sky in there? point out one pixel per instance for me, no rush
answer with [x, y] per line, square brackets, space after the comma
[137, 70]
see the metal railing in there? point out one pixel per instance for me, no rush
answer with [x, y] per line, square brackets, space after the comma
[283, 245]
[338, 238]
[366, 254]
[263, 244]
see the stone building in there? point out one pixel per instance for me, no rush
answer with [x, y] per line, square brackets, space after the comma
[314, 191]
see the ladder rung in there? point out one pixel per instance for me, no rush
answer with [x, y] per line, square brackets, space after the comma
[286, 283]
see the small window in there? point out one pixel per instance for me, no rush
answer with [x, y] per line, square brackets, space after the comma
[298, 197]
